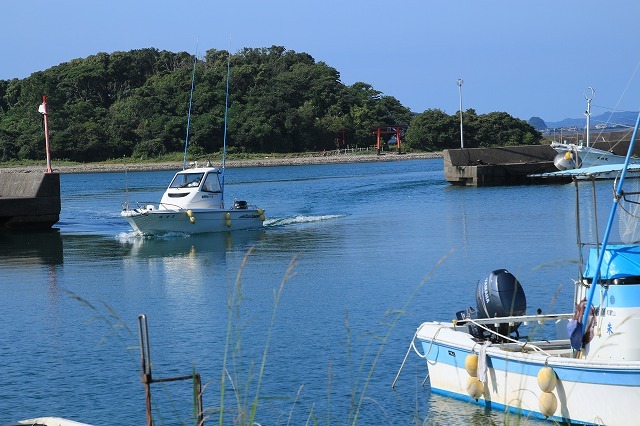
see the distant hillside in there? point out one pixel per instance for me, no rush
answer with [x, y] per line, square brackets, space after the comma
[620, 119]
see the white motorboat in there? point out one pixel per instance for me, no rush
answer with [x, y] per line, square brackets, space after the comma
[193, 203]
[582, 367]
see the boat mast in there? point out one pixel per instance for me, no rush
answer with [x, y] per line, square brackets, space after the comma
[226, 116]
[607, 231]
[186, 140]
[589, 94]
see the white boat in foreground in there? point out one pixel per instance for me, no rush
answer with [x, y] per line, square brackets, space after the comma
[192, 204]
[48, 421]
[582, 374]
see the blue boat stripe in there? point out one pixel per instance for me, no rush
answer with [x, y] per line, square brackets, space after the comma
[605, 376]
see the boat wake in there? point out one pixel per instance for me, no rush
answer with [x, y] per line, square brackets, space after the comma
[284, 221]
[134, 236]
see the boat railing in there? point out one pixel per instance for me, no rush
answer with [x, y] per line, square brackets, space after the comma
[511, 344]
[142, 206]
[525, 319]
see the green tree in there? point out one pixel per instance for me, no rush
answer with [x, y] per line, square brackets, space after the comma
[432, 130]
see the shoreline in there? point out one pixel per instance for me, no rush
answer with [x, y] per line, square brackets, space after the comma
[263, 162]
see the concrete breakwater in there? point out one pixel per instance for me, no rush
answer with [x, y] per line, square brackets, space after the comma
[29, 201]
[498, 166]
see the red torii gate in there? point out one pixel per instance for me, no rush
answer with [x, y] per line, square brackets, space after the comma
[386, 130]
[341, 140]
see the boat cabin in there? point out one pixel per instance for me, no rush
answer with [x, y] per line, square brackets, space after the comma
[198, 188]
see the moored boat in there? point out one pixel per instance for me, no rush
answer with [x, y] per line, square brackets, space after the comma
[575, 156]
[572, 156]
[47, 421]
[580, 367]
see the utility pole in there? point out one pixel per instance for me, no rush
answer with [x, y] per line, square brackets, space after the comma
[460, 81]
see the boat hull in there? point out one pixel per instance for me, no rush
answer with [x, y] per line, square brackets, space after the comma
[164, 221]
[587, 391]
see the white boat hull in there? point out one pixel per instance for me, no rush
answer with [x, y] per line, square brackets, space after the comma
[48, 421]
[587, 156]
[163, 221]
[587, 391]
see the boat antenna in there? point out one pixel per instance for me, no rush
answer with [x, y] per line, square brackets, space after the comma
[226, 116]
[607, 231]
[126, 187]
[193, 79]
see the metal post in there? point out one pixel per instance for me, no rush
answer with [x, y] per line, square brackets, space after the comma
[460, 81]
[145, 358]
[147, 379]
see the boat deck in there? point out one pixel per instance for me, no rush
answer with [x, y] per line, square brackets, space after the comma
[560, 348]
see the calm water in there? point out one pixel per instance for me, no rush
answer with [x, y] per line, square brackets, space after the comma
[362, 238]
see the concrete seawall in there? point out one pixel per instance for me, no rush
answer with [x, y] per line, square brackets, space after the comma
[498, 166]
[29, 201]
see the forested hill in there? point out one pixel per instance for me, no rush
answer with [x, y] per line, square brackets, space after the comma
[136, 103]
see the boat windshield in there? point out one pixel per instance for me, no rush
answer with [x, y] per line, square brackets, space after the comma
[212, 183]
[186, 180]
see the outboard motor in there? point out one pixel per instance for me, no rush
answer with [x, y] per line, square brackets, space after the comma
[501, 295]
[240, 204]
[498, 295]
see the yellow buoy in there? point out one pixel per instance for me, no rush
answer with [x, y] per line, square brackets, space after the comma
[547, 379]
[192, 219]
[228, 223]
[189, 213]
[548, 403]
[227, 216]
[261, 212]
[262, 217]
[471, 364]
[474, 387]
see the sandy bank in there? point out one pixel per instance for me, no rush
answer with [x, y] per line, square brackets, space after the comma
[262, 162]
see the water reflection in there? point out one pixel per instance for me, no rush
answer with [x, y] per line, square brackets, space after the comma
[27, 248]
[192, 245]
[445, 410]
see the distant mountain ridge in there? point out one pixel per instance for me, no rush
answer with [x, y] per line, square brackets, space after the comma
[610, 119]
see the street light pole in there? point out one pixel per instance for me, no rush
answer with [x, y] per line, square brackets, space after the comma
[461, 132]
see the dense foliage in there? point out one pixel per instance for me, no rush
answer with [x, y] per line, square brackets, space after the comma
[136, 104]
[435, 130]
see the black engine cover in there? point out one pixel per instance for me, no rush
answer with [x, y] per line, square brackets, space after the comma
[501, 295]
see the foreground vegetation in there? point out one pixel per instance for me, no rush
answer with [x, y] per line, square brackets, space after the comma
[135, 105]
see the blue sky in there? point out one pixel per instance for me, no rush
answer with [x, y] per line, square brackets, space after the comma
[525, 58]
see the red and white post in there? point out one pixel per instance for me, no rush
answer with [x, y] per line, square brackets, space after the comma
[44, 112]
